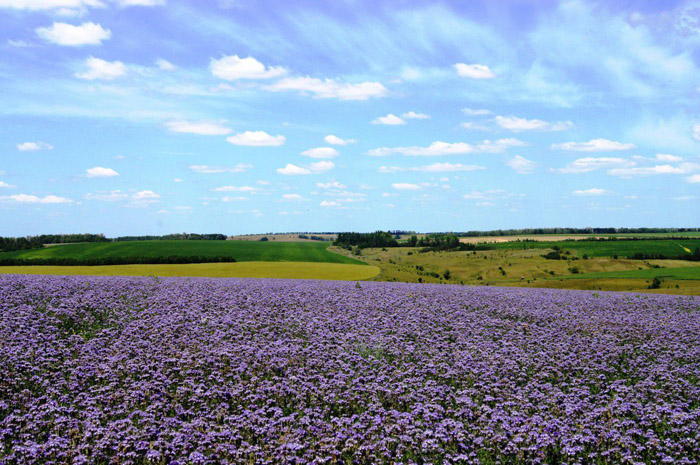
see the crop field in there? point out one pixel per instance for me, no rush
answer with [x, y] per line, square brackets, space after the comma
[242, 251]
[622, 248]
[285, 270]
[144, 370]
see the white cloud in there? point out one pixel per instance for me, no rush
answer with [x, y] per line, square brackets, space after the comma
[414, 115]
[313, 168]
[204, 128]
[329, 88]
[335, 140]
[321, 166]
[69, 35]
[292, 197]
[434, 168]
[513, 123]
[165, 65]
[474, 71]
[595, 145]
[33, 146]
[521, 165]
[476, 126]
[668, 158]
[234, 199]
[389, 120]
[110, 196]
[329, 203]
[233, 67]
[683, 168]
[694, 179]
[405, 186]
[66, 6]
[696, 131]
[101, 69]
[145, 196]
[100, 172]
[210, 169]
[256, 139]
[293, 170]
[445, 148]
[591, 192]
[4, 185]
[476, 111]
[139, 2]
[321, 152]
[491, 195]
[49, 199]
[237, 189]
[331, 185]
[587, 164]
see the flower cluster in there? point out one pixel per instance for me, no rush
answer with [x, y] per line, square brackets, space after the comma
[198, 371]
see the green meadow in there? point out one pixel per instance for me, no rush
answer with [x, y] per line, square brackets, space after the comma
[242, 251]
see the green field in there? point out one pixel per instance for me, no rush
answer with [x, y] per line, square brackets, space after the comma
[622, 248]
[286, 270]
[685, 273]
[242, 251]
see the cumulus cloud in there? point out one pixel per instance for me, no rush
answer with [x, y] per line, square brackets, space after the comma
[389, 120]
[329, 203]
[256, 139]
[25, 198]
[595, 145]
[491, 195]
[63, 6]
[70, 35]
[591, 192]
[109, 196]
[331, 185]
[213, 169]
[321, 152]
[145, 196]
[335, 140]
[165, 65]
[250, 189]
[696, 131]
[587, 164]
[292, 197]
[515, 124]
[4, 185]
[293, 170]
[34, 146]
[476, 111]
[434, 168]
[97, 68]
[405, 186]
[329, 88]
[521, 165]
[314, 168]
[100, 172]
[683, 168]
[139, 2]
[414, 115]
[694, 179]
[474, 71]
[668, 158]
[204, 128]
[233, 67]
[446, 148]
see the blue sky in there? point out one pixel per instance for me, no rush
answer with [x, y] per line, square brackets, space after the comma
[242, 116]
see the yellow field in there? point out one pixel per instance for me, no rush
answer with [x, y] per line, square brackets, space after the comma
[287, 270]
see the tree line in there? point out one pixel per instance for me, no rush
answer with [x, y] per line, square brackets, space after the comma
[174, 237]
[11, 244]
[132, 260]
[547, 231]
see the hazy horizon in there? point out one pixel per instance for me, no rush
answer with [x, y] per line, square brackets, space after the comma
[136, 117]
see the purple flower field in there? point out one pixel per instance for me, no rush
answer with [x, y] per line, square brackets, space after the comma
[139, 370]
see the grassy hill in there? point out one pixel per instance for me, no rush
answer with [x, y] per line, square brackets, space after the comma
[622, 248]
[242, 251]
